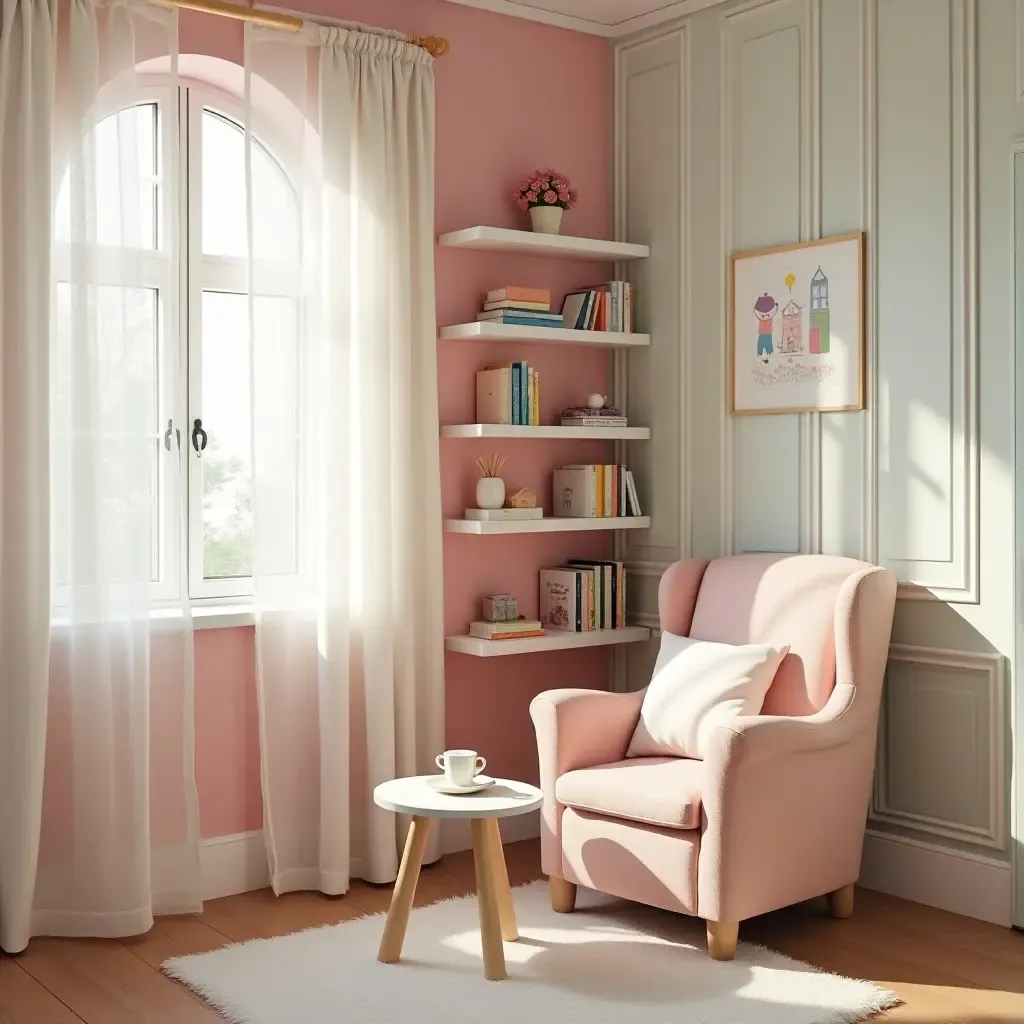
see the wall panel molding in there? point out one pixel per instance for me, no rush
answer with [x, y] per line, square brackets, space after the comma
[869, 223]
[811, 471]
[961, 694]
[796, 437]
[949, 574]
[1019, 29]
[671, 531]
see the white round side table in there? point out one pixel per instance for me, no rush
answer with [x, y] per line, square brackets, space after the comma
[417, 797]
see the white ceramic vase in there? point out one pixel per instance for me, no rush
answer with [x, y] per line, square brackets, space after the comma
[546, 219]
[490, 492]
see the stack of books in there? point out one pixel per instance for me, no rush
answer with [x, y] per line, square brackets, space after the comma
[588, 492]
[517, 629]
[509, 393]
[522, 307]
[607, 307]
[584, 416]
[583, 596]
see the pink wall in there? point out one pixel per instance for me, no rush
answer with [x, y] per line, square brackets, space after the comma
[511, 95]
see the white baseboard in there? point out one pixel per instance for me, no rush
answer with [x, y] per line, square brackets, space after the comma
[455, 834]
[233, 864]
[238, 863]
[964, 883]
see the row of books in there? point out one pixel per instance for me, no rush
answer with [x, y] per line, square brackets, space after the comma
[522, 307]
[608, 307]
[585, 595]
[594, 491]
[584, 416]
[509, 393]
[516, 629]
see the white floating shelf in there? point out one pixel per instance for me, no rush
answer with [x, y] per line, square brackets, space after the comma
[579, 433]
[538, 244]
[549, 524]
[556, 640]
[484, 331]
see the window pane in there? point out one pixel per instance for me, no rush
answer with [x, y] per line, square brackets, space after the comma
[109, 196]
[277, 431]
[105, 403]
[227, 461]
[275, 210]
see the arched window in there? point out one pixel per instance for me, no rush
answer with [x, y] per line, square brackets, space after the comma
[175, 167]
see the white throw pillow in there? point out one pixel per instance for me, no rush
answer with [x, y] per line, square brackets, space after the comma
[698, 685]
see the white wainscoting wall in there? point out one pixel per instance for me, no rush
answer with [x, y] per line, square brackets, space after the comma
[750, 124]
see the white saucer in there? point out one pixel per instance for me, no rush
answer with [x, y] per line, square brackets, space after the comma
[480, 782]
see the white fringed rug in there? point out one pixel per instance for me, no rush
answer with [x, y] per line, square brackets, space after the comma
[610, 962]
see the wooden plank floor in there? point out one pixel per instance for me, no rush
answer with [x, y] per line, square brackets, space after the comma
[948, 969]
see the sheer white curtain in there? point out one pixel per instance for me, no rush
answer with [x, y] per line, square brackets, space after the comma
[26, 132]
[349, 625]
[101, 832]
[119, 813]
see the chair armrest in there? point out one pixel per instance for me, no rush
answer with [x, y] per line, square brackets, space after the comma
[756, 737]
[785, 804]
[576, 729]
[581, 728]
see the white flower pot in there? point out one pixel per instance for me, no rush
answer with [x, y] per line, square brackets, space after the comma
[490, 492]
[546, 219]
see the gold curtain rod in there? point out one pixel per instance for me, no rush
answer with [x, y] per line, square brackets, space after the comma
[436, 46]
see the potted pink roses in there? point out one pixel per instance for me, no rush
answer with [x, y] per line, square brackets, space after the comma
[546, 194]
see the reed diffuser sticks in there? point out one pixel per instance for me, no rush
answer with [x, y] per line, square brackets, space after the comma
[490, 465]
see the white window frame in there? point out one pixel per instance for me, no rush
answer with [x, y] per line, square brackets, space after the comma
[180, 104]
[153, 270]
[216, 273]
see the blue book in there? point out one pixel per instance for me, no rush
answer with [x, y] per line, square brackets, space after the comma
[526, 321]
[500, 315]
[516, 387]
[524, 394]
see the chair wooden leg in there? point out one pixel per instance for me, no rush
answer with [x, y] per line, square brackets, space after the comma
[390, 950]
[487, 903]
[563, 895]
[840, 902]
[722, 936]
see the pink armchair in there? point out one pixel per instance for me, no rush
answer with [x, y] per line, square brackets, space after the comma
[776, 813]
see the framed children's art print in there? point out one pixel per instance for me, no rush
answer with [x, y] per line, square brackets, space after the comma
[796, 327]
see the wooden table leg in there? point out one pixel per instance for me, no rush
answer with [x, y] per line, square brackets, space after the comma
[487, 904]
[506, 908]
[390, 951]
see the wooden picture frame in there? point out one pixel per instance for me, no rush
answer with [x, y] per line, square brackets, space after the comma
[797, 357]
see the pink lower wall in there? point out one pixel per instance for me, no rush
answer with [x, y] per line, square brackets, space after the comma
[510, 96]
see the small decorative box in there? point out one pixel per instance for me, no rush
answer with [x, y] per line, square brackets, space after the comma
[500, 608]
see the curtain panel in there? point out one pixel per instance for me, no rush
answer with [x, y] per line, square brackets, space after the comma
[98, 818]
[350, 661]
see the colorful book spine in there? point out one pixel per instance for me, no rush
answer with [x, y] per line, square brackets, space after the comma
[535, 409]
[610, 580]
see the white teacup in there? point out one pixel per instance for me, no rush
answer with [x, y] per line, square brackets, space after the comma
[460, 767]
